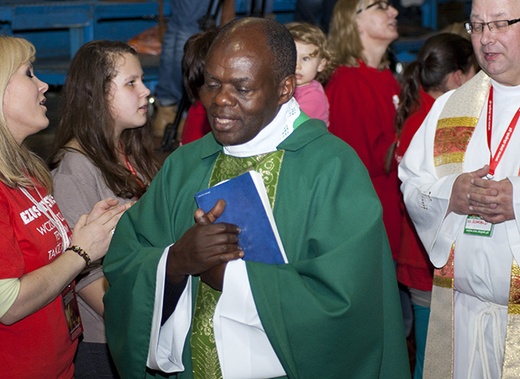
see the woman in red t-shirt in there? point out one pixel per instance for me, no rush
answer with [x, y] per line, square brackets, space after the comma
[40, 257]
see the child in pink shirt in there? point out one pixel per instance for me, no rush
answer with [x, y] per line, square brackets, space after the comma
[313, 68]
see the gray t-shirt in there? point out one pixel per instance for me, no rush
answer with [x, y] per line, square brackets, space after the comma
[78, 185]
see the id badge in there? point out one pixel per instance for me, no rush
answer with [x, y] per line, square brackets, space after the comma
[70, 305]
[478, 227]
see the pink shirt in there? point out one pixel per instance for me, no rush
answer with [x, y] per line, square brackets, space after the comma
[313, 101]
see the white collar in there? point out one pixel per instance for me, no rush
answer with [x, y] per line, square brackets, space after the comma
[271, 135]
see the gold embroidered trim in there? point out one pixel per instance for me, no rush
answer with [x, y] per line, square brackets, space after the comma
[470, 122]
[514, 292]
[448, 158]
[443, 282]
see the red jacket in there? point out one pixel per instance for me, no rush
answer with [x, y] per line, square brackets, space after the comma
[362, 104]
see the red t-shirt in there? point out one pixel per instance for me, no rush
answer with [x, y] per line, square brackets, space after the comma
[414, 268]
[362, 104]
[38, 346]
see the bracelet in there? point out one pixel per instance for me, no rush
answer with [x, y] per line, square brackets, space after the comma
[82, 253]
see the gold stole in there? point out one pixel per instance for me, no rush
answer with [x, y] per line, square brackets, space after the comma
[455, 127]
[203, 348]
[511, 365]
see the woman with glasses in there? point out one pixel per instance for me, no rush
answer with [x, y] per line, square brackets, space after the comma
[363, 96]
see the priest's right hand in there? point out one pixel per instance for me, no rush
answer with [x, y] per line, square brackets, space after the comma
[203, 246]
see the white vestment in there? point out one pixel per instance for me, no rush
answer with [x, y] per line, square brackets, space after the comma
[482, 264]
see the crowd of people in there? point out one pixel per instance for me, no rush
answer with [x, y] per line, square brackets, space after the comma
[375, 180]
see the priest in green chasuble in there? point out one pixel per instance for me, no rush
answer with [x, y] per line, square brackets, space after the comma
[184, 302]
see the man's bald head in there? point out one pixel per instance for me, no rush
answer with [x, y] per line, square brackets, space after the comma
[278, 39]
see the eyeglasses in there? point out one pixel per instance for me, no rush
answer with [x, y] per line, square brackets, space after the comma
[381, 5]
[499, 26]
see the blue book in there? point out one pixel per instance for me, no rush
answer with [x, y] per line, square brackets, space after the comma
[247, 206]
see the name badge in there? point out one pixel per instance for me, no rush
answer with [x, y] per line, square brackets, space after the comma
[478, 227]
[70, 305]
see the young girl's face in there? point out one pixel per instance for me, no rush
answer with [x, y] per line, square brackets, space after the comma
[128, 96]
[308, 63]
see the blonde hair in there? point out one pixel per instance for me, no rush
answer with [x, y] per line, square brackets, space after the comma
[19, 167]
[456, 28]
[311, 34]
[344, 41]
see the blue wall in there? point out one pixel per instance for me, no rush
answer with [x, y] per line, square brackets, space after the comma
[59, 28]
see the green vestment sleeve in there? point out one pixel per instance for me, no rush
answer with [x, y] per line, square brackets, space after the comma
[332, 312]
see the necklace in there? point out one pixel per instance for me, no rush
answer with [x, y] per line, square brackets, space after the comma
[49, 213]
[129, 165]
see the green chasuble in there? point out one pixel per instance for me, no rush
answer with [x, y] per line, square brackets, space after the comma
[332, 312]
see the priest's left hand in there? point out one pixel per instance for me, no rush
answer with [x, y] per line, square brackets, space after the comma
[491, 200]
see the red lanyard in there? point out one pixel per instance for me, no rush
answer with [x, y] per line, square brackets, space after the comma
[130, 167]
[132, 170]
[495, 159]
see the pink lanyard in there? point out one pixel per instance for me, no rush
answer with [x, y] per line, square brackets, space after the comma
[495, 159]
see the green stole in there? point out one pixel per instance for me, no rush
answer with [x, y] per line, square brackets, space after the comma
[203, 348]
[455, 127]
